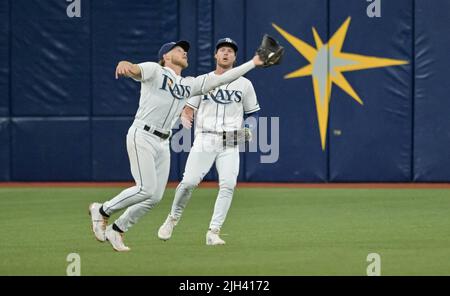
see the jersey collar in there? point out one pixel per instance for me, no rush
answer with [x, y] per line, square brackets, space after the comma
[172, 72]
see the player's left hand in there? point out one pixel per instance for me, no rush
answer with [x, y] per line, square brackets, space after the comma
[270, 52]
[257, 60]
[186, 117]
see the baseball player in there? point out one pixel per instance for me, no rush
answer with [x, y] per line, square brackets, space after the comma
[219, 114]
[163, 95]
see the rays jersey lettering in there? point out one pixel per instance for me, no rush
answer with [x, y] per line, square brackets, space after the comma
[163, 96]
[224, 96]
[223, 108]
[178, 91]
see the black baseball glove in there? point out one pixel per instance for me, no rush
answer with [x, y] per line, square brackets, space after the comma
[270, 51]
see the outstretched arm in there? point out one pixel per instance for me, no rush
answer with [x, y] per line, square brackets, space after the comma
[206, 83]
[127, 69]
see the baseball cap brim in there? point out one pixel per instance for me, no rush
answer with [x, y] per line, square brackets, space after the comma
[171, 45]
[183, 44]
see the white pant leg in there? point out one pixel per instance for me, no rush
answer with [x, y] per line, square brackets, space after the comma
[133, 213]
[227, 164]
[142, 154]
[199, 162]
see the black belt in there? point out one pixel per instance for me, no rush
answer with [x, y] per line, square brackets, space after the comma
[156, 133]
[224, 135]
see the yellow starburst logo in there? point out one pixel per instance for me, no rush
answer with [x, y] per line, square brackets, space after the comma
[327, 62]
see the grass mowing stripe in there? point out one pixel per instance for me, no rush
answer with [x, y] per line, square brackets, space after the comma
[269, 231]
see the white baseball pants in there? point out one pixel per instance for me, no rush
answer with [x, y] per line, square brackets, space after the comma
[206, 150]
[150, 164]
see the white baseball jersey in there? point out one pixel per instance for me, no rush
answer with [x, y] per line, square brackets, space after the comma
[222, 109]
[164, 93]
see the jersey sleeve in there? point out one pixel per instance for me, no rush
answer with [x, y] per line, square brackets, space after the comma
[194, 102]
[148, 70]
[198, 84]
[205, 83]
[250, 102]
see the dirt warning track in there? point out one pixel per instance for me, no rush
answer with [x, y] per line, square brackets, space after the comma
[240, 185]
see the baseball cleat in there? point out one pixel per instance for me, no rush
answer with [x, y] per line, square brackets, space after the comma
[213, 238]
[116, 239]
[165, 231]
[99, 222]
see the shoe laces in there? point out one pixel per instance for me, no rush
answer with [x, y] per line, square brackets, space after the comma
[215, 231]
[171, 220]
[104, 223]
[118, 236]
[121, 235]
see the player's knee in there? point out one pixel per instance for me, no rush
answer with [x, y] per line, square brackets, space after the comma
[156, 198]
[147, 191]
[227, 185]
[190, 183]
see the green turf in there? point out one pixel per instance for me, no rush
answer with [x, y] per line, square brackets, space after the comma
[268, 231]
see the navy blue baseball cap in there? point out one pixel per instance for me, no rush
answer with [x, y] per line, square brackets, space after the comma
[170, 45]
[227, 42]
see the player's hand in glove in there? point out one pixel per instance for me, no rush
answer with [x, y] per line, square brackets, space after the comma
[269, 53]
[186, 117]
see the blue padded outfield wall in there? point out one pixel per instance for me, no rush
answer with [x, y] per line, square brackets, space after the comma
[356, 99]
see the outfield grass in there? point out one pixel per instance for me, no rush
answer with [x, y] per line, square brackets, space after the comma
[269, 231]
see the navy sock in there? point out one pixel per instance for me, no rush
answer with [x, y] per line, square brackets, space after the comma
[116, 228]
[102, 212]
